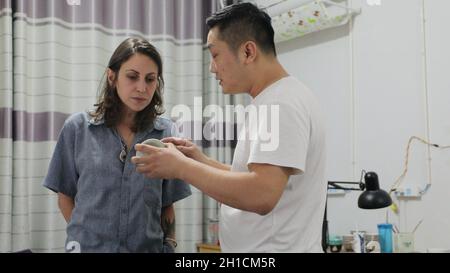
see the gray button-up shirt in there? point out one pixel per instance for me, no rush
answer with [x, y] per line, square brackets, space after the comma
[116, 209]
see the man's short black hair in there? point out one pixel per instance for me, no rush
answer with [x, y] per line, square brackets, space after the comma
[243, 22]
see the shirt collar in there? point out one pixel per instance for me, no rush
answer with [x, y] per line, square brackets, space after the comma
[93, 121]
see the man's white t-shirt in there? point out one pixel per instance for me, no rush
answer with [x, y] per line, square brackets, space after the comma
[292, 136]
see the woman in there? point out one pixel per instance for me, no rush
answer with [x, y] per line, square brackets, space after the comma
[108, 206]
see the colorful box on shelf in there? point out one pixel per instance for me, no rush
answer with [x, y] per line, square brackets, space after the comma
[296, 18]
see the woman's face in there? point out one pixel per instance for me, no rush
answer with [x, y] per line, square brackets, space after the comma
[136, 82]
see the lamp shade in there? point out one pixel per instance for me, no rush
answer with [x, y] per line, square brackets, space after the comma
[373, 197]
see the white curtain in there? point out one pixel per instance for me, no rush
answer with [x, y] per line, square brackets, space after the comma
[53, 55]
[6, 141]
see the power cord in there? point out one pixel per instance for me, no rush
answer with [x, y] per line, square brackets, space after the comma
[399, 180]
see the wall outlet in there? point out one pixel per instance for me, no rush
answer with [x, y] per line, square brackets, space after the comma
[408, 191]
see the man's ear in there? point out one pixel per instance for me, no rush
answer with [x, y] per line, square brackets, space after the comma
[111, 75]
[249, 51]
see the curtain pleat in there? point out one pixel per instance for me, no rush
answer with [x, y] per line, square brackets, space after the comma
[53, 56]
[6, 133]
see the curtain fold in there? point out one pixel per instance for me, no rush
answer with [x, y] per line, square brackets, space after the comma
[53, 55]
[6, 140]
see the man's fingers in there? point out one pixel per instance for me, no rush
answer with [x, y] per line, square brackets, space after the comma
[148, 149]
[141, 169]
[136, 160]
[144, 169]
[171, 145]
[177, 141]
[182, 149]
[174, 140]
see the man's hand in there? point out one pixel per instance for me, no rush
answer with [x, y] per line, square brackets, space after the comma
[188, 148]
[164, 163]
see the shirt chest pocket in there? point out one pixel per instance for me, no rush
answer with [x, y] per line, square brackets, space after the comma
[99, 167]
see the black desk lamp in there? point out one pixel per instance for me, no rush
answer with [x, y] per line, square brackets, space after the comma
[372, 198]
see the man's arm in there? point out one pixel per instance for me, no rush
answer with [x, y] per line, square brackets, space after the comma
[257, 190]
[66, 205]
[216, 164]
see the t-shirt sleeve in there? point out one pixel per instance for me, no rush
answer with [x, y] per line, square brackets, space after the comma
[283, 137]
[62, 175]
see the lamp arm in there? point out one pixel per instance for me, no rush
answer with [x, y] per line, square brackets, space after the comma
[333, 185]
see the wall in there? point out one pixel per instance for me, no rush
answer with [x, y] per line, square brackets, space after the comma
[381, 79]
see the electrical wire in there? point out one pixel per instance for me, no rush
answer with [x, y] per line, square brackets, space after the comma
[395, 186]
[405, 169]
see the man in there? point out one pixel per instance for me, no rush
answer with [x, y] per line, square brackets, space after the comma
[273, 198]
